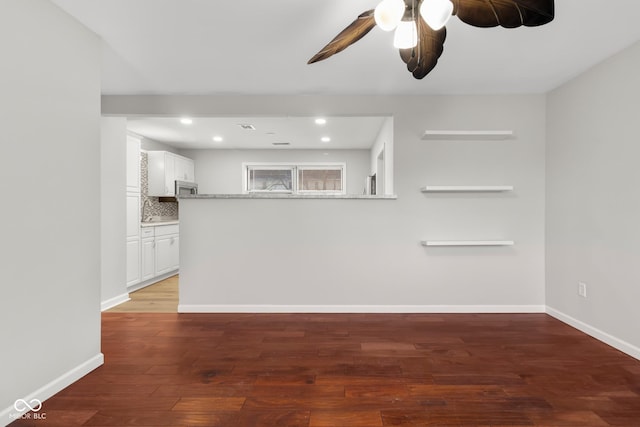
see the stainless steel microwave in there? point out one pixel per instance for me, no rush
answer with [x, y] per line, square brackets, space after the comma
[184, 188]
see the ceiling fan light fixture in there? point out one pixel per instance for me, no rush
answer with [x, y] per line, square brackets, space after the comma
[388, 14]
[430, 17]
[436, 13]
[406, 35]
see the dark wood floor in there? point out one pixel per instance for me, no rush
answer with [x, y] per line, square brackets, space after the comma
[349, 370]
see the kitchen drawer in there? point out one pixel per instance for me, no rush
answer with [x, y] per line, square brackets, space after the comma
[163, 230]
[146, 232]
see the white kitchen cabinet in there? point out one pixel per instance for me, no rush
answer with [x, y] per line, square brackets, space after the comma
[161, 174]
[167, 248]
[159, 253]
[174, 258]
[133, 210]
[184, 169]
[148, 258]
[133, 238]
[133, 164]
[164, 169]
[133, 215]
[133, 261]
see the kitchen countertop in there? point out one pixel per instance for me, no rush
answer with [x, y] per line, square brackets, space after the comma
[159, 222]
[288, 196]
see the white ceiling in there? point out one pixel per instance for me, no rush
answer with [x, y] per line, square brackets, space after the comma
[300, 132]
[261, 47]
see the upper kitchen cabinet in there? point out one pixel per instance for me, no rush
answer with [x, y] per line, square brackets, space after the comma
[161, 174]
[184, 169]
[165, 169]
[133, 164]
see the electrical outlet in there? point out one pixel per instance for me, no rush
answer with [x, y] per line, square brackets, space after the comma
[582, 289]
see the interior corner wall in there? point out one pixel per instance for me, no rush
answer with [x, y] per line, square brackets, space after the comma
[50, 121]
[113, 185]
[592, 199]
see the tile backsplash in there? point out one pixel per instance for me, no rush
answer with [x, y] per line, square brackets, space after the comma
[154, 207]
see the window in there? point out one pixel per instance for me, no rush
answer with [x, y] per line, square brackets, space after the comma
[320, 179]
[302, 178]
[270, 179]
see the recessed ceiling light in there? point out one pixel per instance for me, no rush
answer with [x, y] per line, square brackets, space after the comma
[321, 121]
[325, 139]
[217, 138]
[186, 121]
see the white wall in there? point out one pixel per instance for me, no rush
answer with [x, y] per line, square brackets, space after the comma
[379, 240]
[50, 121]
[113, 207]
[220, 171]
[593, 201]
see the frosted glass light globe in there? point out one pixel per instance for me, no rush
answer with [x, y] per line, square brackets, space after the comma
[388, 14]
[436, 13]
[406, 35]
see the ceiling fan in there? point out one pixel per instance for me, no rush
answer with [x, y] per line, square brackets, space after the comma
[420, 25]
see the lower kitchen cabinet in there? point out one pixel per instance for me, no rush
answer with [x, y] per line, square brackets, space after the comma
[148, 258]
[133, 261]
[167, 248]
[167, 253]
[159, 254]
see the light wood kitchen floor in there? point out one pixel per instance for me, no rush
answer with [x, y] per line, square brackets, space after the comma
[161, 297]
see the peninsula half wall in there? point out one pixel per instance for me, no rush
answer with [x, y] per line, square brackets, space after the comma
[332, 254]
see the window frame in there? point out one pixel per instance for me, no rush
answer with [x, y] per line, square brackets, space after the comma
[337, 166]
[258, 166]
[295, 167]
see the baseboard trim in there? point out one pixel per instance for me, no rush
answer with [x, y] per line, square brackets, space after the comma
[8, 415]
[209, 308]
[596, 333]
[112, 302]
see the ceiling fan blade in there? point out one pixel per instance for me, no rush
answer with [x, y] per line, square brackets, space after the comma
[354, 32]
[423, 58]
[504, 13]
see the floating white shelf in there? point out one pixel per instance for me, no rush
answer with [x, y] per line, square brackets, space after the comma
[466, 188]
[468, 243]
[467, 135]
